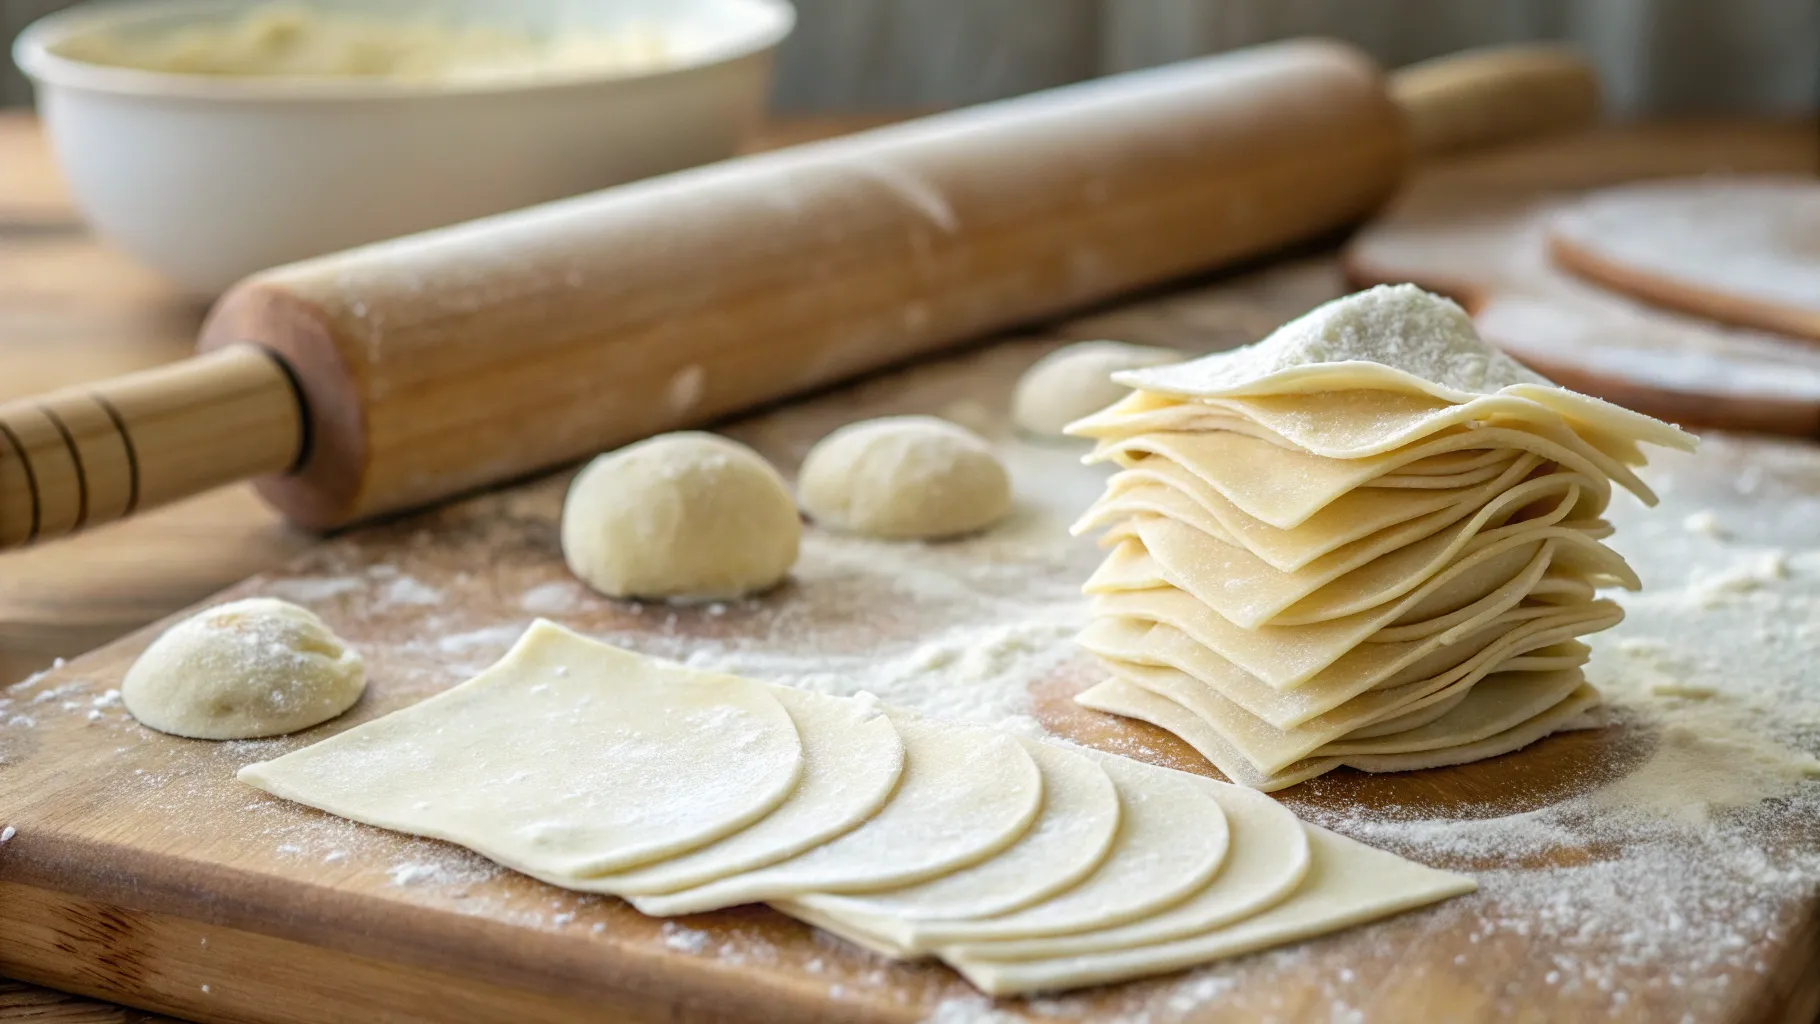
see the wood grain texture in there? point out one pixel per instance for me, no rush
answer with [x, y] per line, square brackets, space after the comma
[1477, 229]
[133, 847]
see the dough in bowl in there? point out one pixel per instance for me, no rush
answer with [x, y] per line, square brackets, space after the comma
[904, 478]
[683, 517]
[258, 667]
[1076, 381]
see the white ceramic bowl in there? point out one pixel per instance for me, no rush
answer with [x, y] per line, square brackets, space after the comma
[208, 178]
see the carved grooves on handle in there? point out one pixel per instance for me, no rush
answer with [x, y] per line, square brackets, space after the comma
[92, 454]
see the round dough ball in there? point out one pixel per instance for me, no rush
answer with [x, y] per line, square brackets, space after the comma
[903, 477]
[258, 667]
[1076, 381]
[684, 517]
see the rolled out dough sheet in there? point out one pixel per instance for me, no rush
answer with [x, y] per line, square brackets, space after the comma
[1348, 883]
[1074, 835]
[1563, 717]
[1351, 517]
[1247, 592]
[967, 794]
[1172, 841]
[635, 759]
[1424, 712]
[1393, 338]
[1366, 668]
[1265, 862]
[1285, 657]
[852, 761]
[1284, 487]
[1269, 749]
[1116, 696]
[1358, 424]
[1501, 701]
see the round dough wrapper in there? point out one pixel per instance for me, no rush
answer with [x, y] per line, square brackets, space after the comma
[1079, 823]
[258, 667]
[1347, 883]
[904, 478]
[1076, 381]
[568, 757]
[852, 762]
[685, 517]
[1172, 841]
[1266, 861]
[966, 795]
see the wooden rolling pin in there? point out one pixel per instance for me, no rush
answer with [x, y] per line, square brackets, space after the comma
[397, 374]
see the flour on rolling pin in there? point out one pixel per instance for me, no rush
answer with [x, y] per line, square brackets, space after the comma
[285, 40]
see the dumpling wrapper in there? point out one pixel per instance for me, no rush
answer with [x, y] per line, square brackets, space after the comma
[1079, 823]
[1368, 669]
[1161, 486]
[1172, 840]
[1347, 884]
[635, 759]
[1265, 863]
[1344, 424]
[967, 793]
[1249, 593]
[1566, 716]
[1497, 703]
[1391, 338]
[1566, 654]
[1283, 487]
[1285, 657]
[1415, 719]
[1269, 749]
[853, 760]
[1118, 697]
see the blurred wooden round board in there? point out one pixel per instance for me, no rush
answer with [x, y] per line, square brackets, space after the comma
[1480, 229]
[141, 871]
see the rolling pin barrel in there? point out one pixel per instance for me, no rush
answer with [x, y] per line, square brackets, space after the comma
[400, 373]
[445, 361]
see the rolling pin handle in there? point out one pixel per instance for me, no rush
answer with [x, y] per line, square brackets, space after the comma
[94, 453]
[1500, 94]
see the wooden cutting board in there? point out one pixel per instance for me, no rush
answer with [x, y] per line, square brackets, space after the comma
[1477, 228]
[142, 872]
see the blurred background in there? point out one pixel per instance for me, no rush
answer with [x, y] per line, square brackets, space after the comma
[1655, 57]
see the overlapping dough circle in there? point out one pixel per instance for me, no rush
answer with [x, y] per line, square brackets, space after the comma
[1026, 865]
[1369, 539]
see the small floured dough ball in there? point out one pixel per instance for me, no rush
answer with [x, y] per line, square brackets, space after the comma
[683, 517]
[258, 667]
[904, 477]
[1076, 381]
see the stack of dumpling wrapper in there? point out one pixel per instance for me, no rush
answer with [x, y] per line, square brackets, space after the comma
[1368, 540]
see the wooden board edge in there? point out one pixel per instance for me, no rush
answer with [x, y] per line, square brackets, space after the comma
[1791, 991]
[205, 972]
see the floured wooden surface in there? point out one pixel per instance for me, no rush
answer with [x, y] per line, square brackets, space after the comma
[1619, 878]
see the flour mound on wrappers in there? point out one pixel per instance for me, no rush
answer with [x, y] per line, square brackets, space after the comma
[1370, 539]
